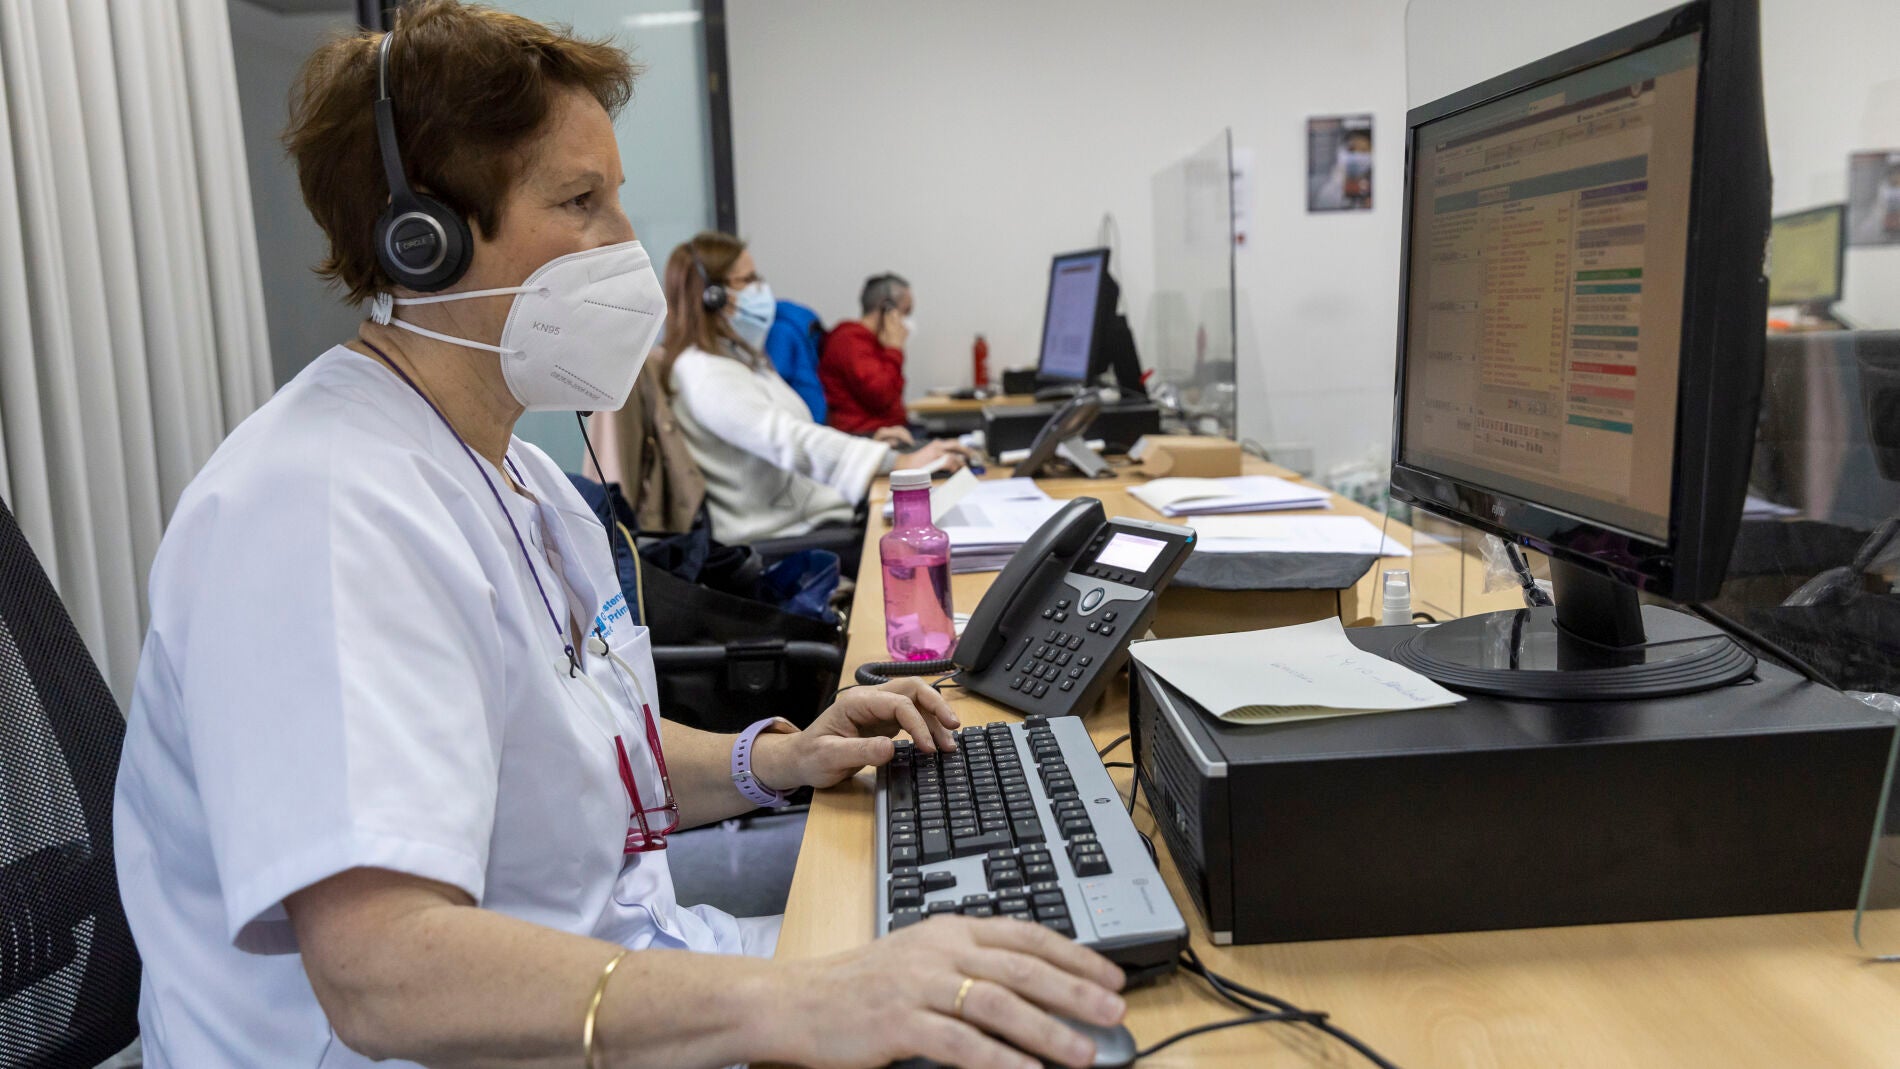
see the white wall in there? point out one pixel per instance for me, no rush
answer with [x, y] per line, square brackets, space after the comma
[1830, 76]
[961, 144]
[306, 317]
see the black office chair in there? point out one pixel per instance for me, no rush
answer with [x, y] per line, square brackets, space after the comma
[69, 972]
[721, 659]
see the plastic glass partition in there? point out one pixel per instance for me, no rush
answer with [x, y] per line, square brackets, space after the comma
[1191, 313]
[1816, 566]
[665, 137]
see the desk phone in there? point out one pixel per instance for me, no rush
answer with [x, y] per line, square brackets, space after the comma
[1054, 628]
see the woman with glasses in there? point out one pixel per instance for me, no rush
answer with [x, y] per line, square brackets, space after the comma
[771, 470]
[394, 784]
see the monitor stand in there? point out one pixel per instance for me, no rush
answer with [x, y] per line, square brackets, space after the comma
[1086, 460]
[1597, 644]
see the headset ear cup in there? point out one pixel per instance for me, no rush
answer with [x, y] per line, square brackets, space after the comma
[423, 244]
[461, 247]
[713, 297]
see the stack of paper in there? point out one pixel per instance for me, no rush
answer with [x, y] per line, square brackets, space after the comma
[1236, 493]
[1284, 674]
[1292, 534]
[987, 520]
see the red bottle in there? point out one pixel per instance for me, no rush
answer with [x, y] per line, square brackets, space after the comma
[980, 357]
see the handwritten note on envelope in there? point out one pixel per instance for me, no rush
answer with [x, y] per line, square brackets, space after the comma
[1284, 674]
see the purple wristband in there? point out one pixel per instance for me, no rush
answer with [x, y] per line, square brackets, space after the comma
[749, 786]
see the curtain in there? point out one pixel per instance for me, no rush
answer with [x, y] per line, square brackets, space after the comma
[132, 331]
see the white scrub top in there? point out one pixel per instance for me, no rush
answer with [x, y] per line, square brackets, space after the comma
[348, 665]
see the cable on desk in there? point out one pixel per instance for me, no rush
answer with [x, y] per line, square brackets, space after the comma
[1119, 739]
[1261, 1007]
[1236, 1022]
[1259, 1002]
[1118, 764]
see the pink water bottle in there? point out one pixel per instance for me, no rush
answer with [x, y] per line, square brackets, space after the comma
[916, 558]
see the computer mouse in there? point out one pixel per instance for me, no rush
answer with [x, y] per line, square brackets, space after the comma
[1114, 1044]
[1114, 1048]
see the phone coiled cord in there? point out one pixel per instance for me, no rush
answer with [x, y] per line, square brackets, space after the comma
[870, 675]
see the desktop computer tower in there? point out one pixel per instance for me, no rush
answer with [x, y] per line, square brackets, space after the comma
[1759, 797]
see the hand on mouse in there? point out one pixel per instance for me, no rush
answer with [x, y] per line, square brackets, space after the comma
[897, 437]
[954, 453]
[898, 998]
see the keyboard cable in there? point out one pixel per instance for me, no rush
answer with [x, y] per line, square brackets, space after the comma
[1261, 1007]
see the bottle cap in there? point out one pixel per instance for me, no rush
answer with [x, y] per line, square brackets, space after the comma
[1398, 587]
[910, 479]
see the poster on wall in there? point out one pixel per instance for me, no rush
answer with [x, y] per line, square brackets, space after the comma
[1339, 163]
[1873, 198]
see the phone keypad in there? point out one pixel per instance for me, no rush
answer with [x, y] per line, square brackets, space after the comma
[1051, 662]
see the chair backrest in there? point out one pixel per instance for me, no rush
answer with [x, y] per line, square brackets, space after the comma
[69, 972]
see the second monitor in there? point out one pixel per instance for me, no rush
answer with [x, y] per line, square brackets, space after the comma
[1083, 333]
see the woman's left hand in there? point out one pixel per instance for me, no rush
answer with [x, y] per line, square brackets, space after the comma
[897, 437]
[856, 731]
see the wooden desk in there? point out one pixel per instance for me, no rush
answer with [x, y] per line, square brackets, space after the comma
[1784, 991]
[939, 405]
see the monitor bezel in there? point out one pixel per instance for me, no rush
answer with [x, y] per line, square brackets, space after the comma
[1840, 254]
[1717, 396]
[1090, 371]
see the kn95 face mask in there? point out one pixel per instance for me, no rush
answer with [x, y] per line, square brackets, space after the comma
[578, 332]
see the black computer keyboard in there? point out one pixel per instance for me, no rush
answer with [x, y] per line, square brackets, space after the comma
[1023, 821]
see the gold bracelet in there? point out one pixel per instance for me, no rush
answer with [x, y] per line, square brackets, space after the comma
[593, 1011]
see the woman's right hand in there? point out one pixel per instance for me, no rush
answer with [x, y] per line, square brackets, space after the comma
[956, 452]
[897, 998]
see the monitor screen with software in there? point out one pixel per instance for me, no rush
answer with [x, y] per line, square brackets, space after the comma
[1072, 316]
[1580, 338]
[1550, 238]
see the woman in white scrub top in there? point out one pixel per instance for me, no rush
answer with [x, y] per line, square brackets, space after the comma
[393, 785]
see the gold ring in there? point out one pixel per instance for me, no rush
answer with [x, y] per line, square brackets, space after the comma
[963, 992]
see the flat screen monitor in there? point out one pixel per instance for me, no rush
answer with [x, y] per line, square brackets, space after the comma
[1582, 306]
[1072, 318]
[1806, 252]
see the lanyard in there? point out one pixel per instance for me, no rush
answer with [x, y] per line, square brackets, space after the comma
[641, 835]
[573, 660]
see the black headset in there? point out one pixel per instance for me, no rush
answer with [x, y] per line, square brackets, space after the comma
[712, 294]
[422, 243]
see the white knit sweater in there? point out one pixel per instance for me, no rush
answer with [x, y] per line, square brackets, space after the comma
[770, 471]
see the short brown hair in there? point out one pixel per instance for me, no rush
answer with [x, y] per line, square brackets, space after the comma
[689, 324]
[472, 87]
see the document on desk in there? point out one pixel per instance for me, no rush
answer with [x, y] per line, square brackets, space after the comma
[1286, 674]
[1291, 534]
[944, 496]
[989, 520]
[1236, 493]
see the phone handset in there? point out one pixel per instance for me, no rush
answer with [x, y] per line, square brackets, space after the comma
[1055, 544]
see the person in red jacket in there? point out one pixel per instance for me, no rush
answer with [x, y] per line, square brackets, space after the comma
[862, 366]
